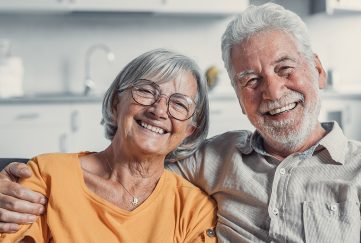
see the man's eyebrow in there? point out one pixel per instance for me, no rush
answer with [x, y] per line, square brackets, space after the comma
[285, 58]
[244, 73]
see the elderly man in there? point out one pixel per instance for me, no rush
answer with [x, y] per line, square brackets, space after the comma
[292, 180]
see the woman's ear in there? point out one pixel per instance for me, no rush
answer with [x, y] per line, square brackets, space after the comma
[190, 129]
[115, 102]
[322, 76]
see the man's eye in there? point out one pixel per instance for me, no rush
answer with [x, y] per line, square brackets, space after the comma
[251, 83]
[285, 71]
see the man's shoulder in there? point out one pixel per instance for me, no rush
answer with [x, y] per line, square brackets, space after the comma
[231, 139]
[353, 151]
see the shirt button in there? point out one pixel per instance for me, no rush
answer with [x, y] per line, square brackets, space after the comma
[333, 207]
[282, 171]
[275, 211]
[211, 233]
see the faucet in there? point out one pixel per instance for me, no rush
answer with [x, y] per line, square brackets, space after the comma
[89, 83]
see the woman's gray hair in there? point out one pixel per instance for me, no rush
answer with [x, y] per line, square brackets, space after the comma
[265, 17]
[161, 65]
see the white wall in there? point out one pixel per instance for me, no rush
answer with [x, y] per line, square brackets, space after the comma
[53, 46]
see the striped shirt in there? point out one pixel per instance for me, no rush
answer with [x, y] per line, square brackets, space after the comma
[312, 196]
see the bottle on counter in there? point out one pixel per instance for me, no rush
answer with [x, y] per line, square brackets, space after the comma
[11, 72]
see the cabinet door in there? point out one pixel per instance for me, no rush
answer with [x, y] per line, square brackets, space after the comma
[346, 111]
[226, 115]
[115, 5]
[87, 132]
[27, 130]
[32, 5]
[205, 6]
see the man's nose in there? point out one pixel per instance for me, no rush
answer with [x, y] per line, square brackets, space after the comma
[273, 87]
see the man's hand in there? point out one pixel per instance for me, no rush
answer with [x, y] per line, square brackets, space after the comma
[18, 205]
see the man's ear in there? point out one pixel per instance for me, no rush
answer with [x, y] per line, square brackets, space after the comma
[322, 75]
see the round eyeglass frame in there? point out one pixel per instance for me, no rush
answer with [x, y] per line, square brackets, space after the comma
[156, 86]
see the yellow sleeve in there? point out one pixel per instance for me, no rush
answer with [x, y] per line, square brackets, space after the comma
[203, 222]
[38, 230]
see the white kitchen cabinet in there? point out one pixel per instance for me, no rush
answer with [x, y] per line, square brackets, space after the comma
[33, 5]
[161, 6]
[204, 6]
[115, 5]
[346, 110]
[226, 115]
[87, 134]
[30, 129]
[27, 130]
[335, 6]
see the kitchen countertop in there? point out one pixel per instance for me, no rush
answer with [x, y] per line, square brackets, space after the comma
[52, 98]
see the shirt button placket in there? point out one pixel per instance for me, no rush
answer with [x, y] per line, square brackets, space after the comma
[282, 171]
[275, 211]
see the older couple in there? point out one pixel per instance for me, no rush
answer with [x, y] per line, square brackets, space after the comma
[155, 109]
[294, 179]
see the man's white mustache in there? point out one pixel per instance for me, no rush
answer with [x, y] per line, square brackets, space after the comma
[290, 97]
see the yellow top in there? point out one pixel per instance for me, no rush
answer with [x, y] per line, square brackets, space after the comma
[176, 211]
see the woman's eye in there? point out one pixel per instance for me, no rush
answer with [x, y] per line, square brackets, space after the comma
[146, 92]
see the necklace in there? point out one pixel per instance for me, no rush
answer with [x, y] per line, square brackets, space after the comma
[135, 200]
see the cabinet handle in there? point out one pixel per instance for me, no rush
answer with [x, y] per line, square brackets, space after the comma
[74, 117]
[27, 116]
[347, 115]
[62, 143]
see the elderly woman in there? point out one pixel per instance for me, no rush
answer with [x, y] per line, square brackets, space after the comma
[155, 110]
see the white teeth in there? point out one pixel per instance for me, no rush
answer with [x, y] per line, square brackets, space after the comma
[151, 128]
[283, 109]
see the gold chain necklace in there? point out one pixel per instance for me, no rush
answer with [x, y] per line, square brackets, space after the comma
[135, 200]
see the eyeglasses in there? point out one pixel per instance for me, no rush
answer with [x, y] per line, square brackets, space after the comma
[147, 93]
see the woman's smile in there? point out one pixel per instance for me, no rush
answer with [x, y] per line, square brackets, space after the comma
[152, 128]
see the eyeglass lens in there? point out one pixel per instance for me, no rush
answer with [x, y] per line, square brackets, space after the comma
[180, 106]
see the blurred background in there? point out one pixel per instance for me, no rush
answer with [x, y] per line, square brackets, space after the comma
[57, 57]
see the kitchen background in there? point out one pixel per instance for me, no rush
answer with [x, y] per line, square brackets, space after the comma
[49, 50]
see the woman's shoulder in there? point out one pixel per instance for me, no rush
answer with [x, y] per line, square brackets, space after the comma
[49, 162]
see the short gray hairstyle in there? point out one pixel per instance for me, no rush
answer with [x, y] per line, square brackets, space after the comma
[254, 19]
[161, 65]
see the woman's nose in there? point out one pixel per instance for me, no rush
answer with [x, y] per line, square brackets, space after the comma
[160, 107]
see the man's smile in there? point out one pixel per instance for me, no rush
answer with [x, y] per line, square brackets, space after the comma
[282, 109]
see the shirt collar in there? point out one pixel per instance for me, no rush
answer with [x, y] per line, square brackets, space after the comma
[335, 142]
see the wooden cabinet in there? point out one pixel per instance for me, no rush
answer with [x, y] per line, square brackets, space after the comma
[28, 130]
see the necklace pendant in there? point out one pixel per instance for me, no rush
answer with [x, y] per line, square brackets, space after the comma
[135, 201]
